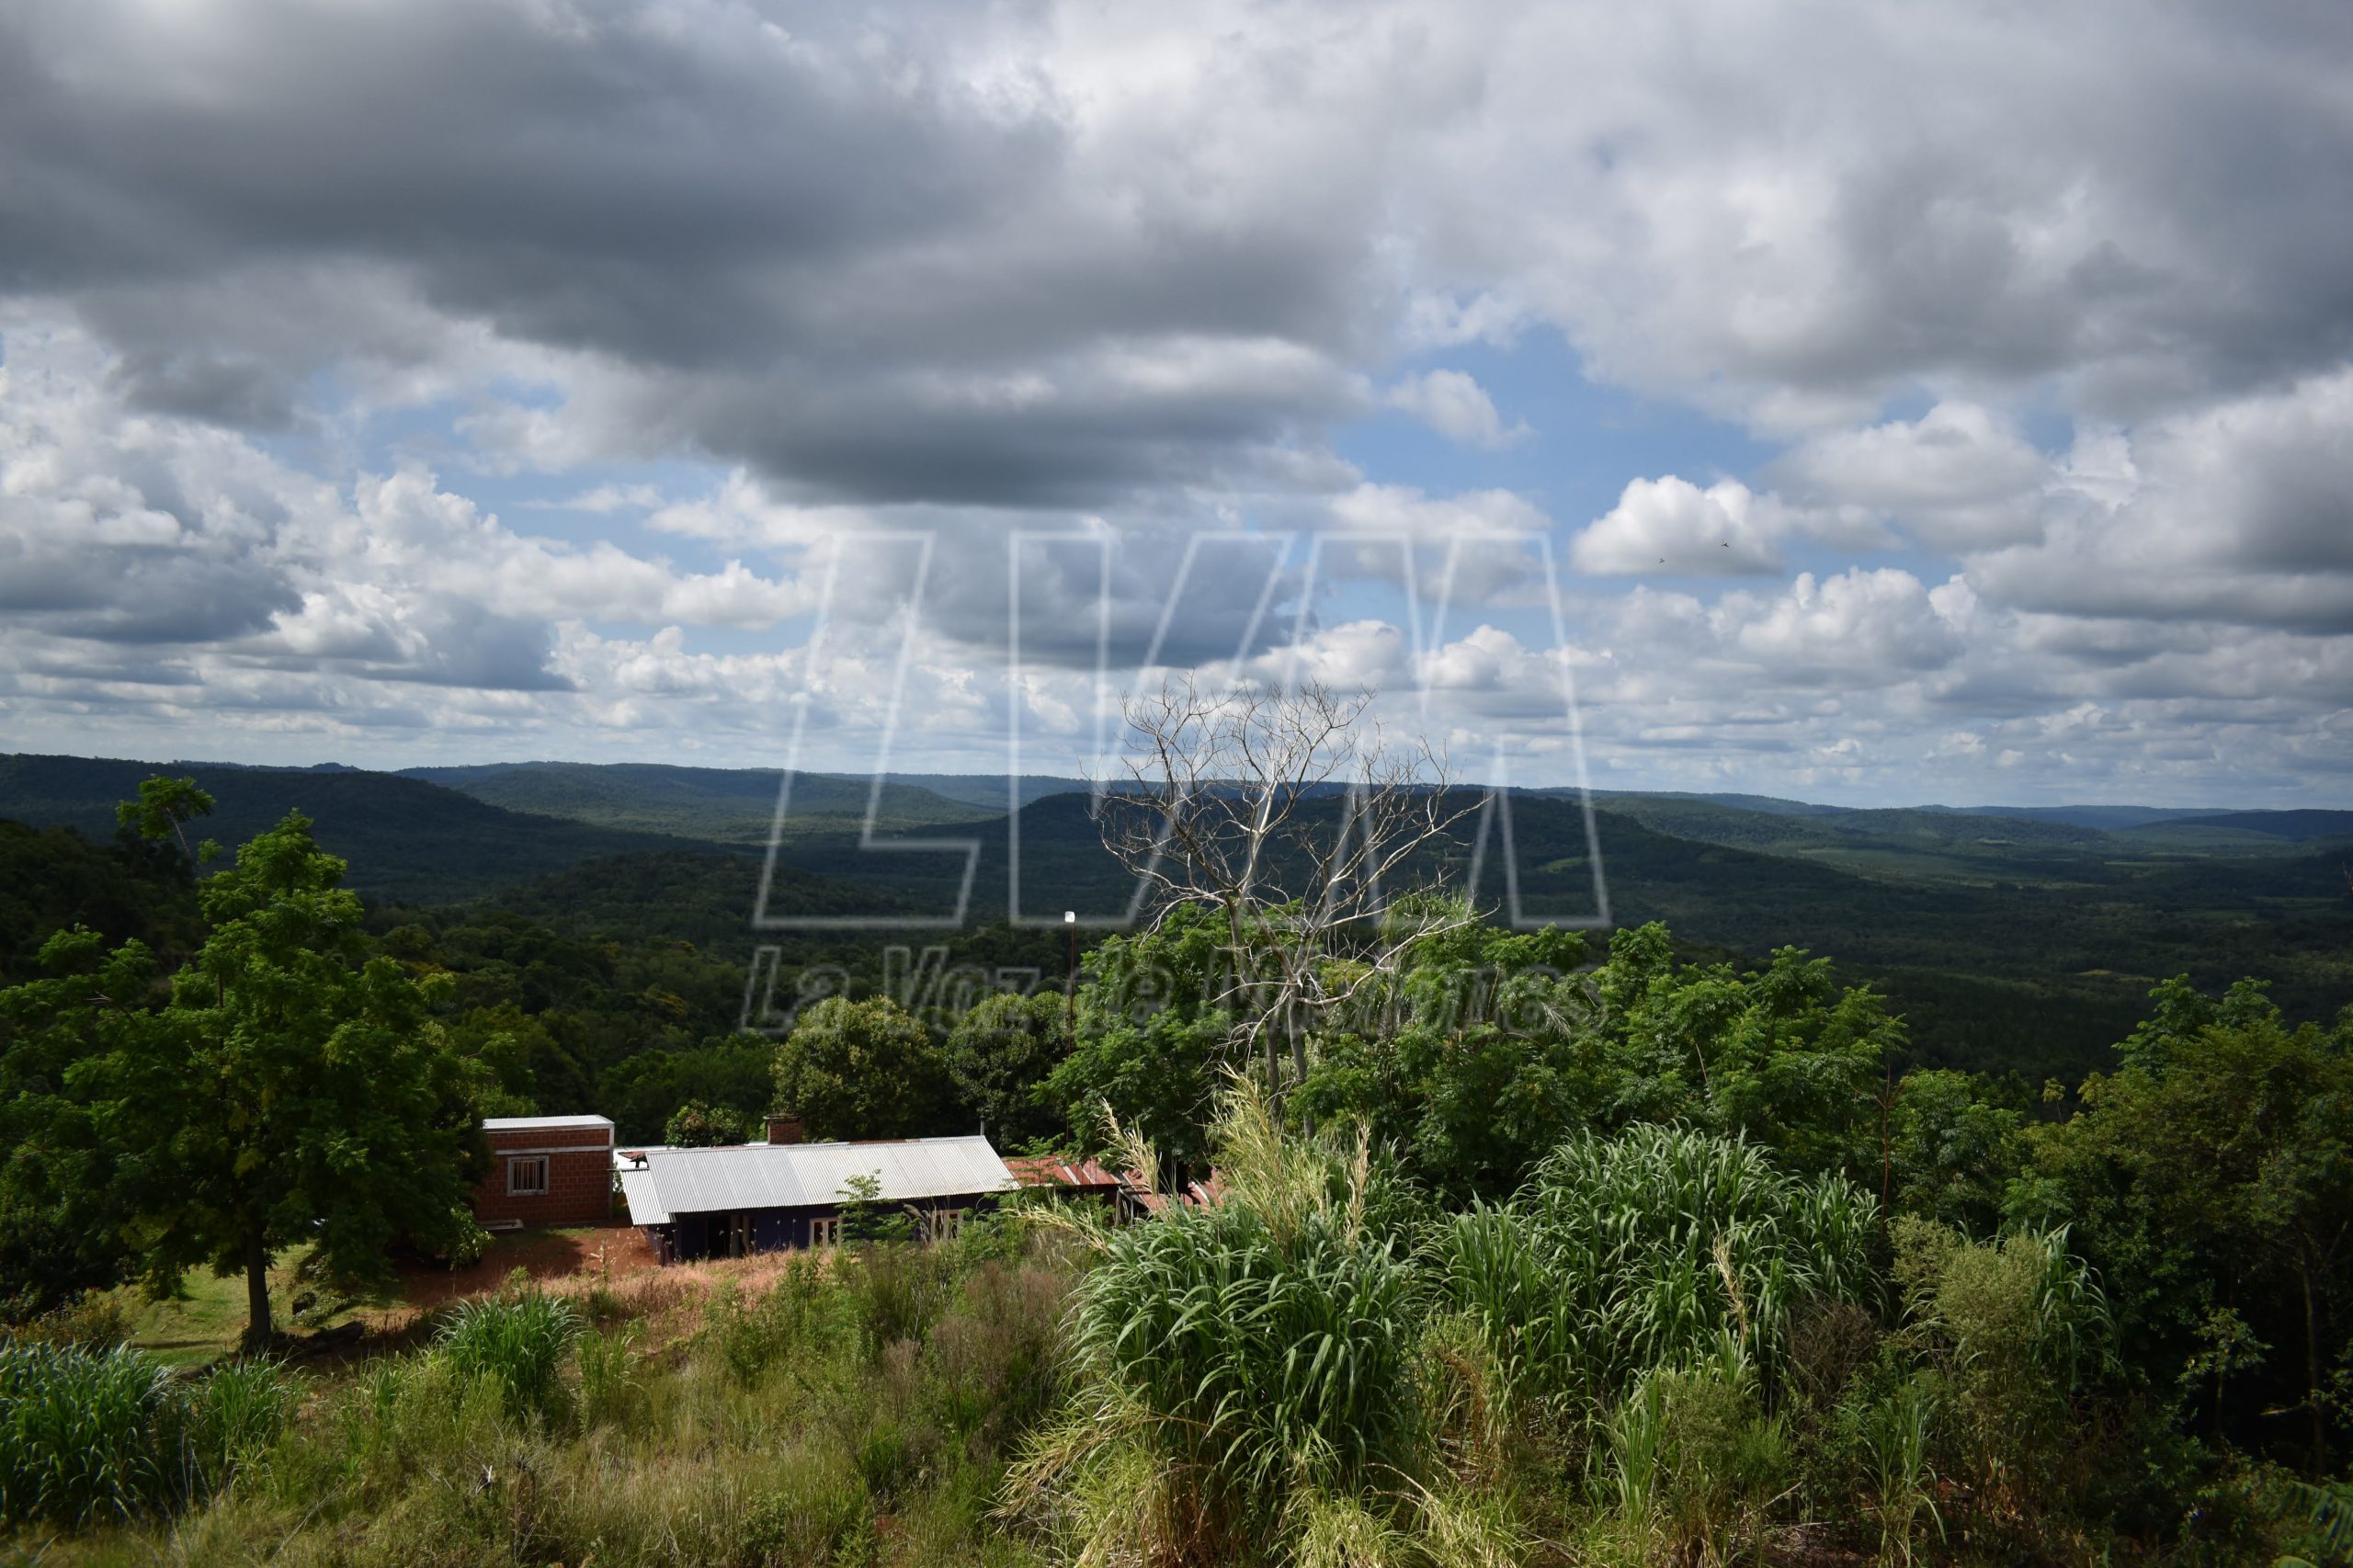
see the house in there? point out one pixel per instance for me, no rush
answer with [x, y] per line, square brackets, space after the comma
[728, 1202]
[546, 1170]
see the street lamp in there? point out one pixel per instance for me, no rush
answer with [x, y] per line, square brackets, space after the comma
[1070, 978]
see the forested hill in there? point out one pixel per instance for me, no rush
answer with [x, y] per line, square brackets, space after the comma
[735, 805]
[406, 840]
[2296, 825]
[2009, 941]
[728, 805]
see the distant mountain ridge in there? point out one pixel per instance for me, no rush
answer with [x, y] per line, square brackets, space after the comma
[2297, 825]
[407, 840]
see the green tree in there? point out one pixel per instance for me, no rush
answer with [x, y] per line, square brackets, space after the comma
[59, 1230]
[1154, 1041]
[734, 1073]
[1473, 1063]
[1784, 1056]
[2213, 1174]
[293, 1090]
[164, 808]
[862, 1070]
[1951, 1152]
[695, 1125]
[1000, 1054]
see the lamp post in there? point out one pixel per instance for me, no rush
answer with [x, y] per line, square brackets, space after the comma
[1070, 978]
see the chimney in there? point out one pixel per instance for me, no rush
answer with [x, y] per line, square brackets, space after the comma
[784, 1128]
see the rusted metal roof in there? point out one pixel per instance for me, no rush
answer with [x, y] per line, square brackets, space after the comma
[1046, 1170]
[1196, 1194]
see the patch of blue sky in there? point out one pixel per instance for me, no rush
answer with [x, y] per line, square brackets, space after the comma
[1586, 439]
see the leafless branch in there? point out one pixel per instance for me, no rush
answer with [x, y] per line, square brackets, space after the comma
[1289, 814]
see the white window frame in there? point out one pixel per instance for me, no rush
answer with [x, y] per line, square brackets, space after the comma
[825, 1232]
[516, 1164]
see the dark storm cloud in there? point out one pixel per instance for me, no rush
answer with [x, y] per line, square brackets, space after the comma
[941, 252]
[136, 594]
[814, 243]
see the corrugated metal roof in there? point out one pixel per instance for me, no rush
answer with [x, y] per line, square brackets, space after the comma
[644, 1202]
[803, 1175]
[518, 1123]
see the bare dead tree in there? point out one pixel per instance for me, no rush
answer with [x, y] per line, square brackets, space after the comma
[1292, 815]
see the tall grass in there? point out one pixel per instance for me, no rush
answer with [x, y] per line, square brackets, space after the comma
[236, 1416]
[87, 1435]
[518, 1342]
[1897, 1429]
[1647, 1251]
[1257, 1357]
[1250, 1357]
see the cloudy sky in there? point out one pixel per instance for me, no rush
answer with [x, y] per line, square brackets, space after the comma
[1888, 402]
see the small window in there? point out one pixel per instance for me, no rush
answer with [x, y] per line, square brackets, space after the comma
[824, 1232]
[528, 1176]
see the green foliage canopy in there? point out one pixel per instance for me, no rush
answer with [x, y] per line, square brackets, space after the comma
[292, 1090]
[862, 1070]
[1000, 1055]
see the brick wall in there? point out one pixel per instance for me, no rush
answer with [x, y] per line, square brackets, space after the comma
[580, 1178]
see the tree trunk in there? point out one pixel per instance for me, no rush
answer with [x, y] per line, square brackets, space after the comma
[257, 1326]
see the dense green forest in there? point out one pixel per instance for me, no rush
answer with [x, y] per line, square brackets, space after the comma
[1799, 1215]
[2011, 941]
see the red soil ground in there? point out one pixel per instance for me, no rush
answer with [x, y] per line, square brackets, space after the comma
[603, 1253]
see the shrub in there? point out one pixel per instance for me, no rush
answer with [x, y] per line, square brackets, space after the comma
[900, 1292]
[94, 1319]
[2018, 1326]
[805, 1311]
[816, 1511]
[995, 1357]
[518, 1341]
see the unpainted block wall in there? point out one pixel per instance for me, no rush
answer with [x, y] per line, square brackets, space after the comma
[580, 1184]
